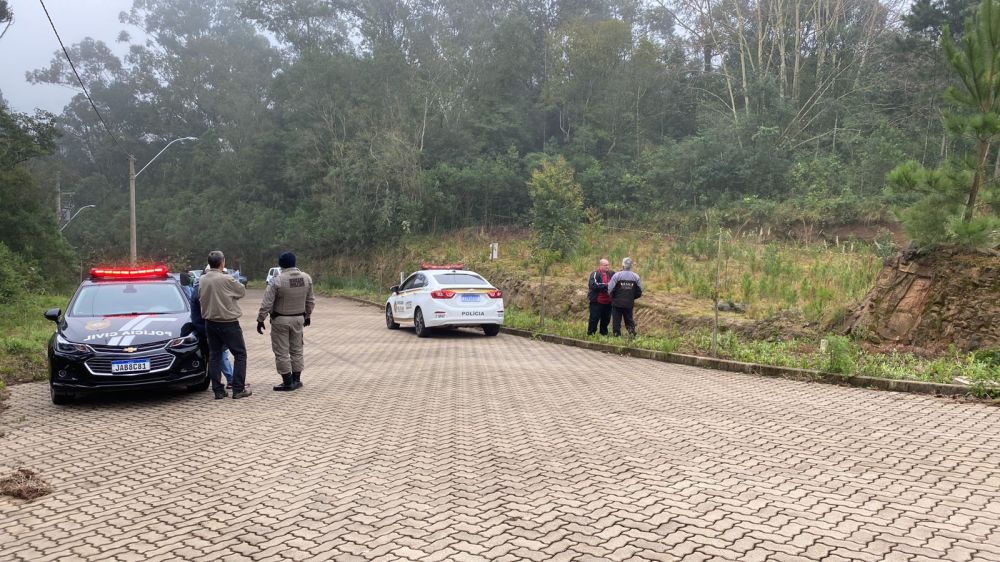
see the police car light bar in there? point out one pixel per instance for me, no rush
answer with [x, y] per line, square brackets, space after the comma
[153, 272]
[444, 266]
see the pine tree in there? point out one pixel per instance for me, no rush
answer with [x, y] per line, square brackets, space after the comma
[976, 59]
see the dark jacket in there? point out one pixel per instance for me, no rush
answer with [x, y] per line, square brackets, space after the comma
[595, 287]
[196, 318]
[625, 287]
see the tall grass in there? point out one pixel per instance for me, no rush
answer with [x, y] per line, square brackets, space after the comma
[818, 280]
[24, 333]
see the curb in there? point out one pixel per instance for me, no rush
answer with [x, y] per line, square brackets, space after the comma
[807, 375]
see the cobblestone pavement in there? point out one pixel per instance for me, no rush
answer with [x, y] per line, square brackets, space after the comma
[463, 447]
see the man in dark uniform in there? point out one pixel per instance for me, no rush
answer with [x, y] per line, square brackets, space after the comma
[624, 288]
[289, 301]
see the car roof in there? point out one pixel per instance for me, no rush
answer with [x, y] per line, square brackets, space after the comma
[87, 282]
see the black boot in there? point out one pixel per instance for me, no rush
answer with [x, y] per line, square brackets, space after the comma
[286, 383]
[296, 383]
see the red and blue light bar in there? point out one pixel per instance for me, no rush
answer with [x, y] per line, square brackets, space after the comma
[429, 266]
[150, 272]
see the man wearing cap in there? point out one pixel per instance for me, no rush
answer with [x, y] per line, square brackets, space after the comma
[624, 288]
[289, 301]
[218, 295]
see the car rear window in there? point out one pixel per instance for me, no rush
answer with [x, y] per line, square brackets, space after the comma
[461, 279]
[128, 298]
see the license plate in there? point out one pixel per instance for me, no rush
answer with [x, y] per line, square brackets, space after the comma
[130, 366]
[470, 298]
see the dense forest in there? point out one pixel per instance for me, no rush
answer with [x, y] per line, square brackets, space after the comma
[329, 126]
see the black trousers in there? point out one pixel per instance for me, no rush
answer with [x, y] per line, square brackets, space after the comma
[617, 314]
[226, 334]
[599, 313]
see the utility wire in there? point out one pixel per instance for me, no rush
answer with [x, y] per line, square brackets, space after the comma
[80, 80]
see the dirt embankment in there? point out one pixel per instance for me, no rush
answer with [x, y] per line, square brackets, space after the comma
[931, 302]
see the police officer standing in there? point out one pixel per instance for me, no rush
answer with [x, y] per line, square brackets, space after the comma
[289, 301]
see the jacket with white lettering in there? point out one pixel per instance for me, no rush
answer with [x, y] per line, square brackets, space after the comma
[624, 288]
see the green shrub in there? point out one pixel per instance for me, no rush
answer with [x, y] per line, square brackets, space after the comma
[841, 354]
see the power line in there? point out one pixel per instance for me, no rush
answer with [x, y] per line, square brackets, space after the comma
[80, 80]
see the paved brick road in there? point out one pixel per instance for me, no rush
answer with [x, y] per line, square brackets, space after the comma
[464, 447]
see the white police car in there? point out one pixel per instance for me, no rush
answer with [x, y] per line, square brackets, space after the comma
[444, 296]
[272, 274]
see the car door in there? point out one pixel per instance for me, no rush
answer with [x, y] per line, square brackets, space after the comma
[416, 294]
[402, 303]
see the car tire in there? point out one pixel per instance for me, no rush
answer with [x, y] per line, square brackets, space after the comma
[60, 398]
[491, 329]
[418, 324]
[390, 320]
[201, 386]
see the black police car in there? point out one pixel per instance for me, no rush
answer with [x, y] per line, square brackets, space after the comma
[125, 328]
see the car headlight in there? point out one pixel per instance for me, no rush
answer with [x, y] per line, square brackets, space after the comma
[190, 339]
[63, 345]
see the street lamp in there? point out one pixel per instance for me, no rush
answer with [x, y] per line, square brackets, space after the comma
[132, 174]
[75, 214]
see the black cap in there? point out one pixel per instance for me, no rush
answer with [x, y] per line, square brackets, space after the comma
[286, 259]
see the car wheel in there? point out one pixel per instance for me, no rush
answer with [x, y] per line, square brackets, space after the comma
[418, 324]
[491, 329]
[390, 321]
[201, 386]
[60, 398]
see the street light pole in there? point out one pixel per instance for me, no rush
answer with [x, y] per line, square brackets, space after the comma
[132, 174]
[75, 214]
[131, 208]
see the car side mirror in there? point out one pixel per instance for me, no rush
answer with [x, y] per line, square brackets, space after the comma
[53, 314]
[394, 289]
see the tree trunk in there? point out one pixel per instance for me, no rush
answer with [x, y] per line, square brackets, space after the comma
[977, 179]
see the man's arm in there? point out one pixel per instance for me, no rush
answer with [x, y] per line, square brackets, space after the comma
[594, 284]
[267, 303]
[612, 283]
[237, 288]
[310, 299]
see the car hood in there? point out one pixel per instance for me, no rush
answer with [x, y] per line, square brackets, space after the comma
[126, 330]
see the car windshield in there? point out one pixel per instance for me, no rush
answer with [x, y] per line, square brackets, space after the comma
[111, 299]
[470, 279]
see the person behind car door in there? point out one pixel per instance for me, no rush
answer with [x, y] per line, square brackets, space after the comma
[600, 300]
[219, 294]
[289, 301]
[624, 288]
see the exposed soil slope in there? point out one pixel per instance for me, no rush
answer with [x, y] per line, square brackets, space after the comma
[933, 301]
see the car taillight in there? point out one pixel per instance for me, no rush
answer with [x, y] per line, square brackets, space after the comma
[495, 294]
[442, 294]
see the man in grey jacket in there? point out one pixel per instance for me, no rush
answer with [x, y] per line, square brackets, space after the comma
[219, 294]
[624, 288]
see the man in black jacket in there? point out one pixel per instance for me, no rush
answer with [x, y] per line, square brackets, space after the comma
[600, 300]
[624, 288]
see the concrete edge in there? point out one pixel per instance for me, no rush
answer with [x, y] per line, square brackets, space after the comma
[861, 381]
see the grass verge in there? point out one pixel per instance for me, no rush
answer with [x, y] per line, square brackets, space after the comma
[24, 333]
[980, 371]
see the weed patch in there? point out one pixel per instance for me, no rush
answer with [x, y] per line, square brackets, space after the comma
[24, 484]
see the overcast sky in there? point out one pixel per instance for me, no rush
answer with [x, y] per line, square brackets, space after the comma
[30, 44]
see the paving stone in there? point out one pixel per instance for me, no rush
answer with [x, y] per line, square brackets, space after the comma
[463, 447]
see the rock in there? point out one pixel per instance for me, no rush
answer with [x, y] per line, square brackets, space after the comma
[932, 301]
